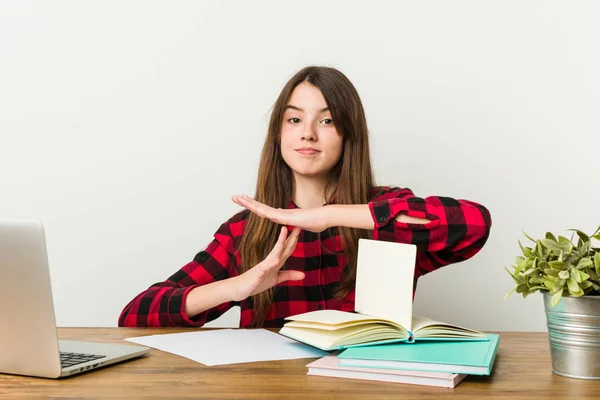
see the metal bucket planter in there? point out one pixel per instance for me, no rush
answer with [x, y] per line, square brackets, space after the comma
[574, 336]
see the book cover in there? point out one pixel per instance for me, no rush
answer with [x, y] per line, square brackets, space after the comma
[476, 358]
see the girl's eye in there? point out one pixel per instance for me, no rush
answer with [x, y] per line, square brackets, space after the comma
[294, 120]
[328, 121]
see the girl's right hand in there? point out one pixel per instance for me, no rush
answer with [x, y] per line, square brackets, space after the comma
[267, 274]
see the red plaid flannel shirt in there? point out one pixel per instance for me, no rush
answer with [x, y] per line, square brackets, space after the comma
[457, 231]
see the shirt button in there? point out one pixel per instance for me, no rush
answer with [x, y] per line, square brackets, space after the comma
[319, 307]
[382, 219]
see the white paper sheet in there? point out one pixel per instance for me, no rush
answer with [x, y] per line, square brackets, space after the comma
[229, 346]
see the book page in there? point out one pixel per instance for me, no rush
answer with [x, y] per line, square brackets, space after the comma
[318, 338]
[329, 317]
[327, 327]
[327, 339]
[425, 327]
[384, 280]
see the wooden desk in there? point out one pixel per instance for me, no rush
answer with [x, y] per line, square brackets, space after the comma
[521, 371]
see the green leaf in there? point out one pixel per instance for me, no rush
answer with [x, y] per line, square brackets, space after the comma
[528, 237]
[550, 236]
[556, 289]
[584, 249]
[596, 236]
[565, 244]
[576, 275]
[524, 265]
[563, 241]
[534, 288]
[556, 298]
[517, 281]
[522, 287]
[539, 250]
[574, 288]
[550, 244]
[586, 285]
[537, 279]
[572, 259]
[509, 293]
[584, 263]
[579, 293]
[597, 262]
[564, 274]
[577, 254]
[551, 271]
[551, 285]
[557, 264]
[528, 252]
[584, 276]
[583, 236]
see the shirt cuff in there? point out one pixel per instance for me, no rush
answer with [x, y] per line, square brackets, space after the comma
[384, 211]
[176, 309]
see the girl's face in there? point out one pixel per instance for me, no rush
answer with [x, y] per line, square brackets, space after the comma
[310, 144]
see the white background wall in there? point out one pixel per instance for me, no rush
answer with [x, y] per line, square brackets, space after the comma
[125, 126]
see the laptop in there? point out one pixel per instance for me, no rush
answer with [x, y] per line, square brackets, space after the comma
[29, 342]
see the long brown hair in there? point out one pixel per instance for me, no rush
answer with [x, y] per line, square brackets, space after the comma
[350, 181]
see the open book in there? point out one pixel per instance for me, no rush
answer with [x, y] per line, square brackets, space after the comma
[383, 304]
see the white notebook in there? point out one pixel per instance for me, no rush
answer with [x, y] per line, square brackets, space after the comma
[329, 366]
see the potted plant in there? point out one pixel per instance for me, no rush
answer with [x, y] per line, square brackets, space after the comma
[568, 276]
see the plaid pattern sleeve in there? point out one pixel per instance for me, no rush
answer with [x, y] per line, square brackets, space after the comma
[163, 304]
[457, 230]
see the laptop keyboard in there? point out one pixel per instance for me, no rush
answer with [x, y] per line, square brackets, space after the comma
[69, 359]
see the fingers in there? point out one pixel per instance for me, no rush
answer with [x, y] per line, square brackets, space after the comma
[271, 265]
[251, 204]
[260, 209]
[291, 241]
[242, 201]
[278, 248]
[282, 249]
[290, 245]
[281, 240]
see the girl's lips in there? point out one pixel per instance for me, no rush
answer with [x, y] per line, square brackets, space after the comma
[308, 152]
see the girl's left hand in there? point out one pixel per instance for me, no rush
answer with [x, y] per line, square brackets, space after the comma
[311, 219]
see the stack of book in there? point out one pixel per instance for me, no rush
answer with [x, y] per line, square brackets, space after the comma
[443, 364]
[382, 340]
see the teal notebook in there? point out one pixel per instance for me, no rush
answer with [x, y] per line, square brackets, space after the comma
[475, 358]
[383, 304]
